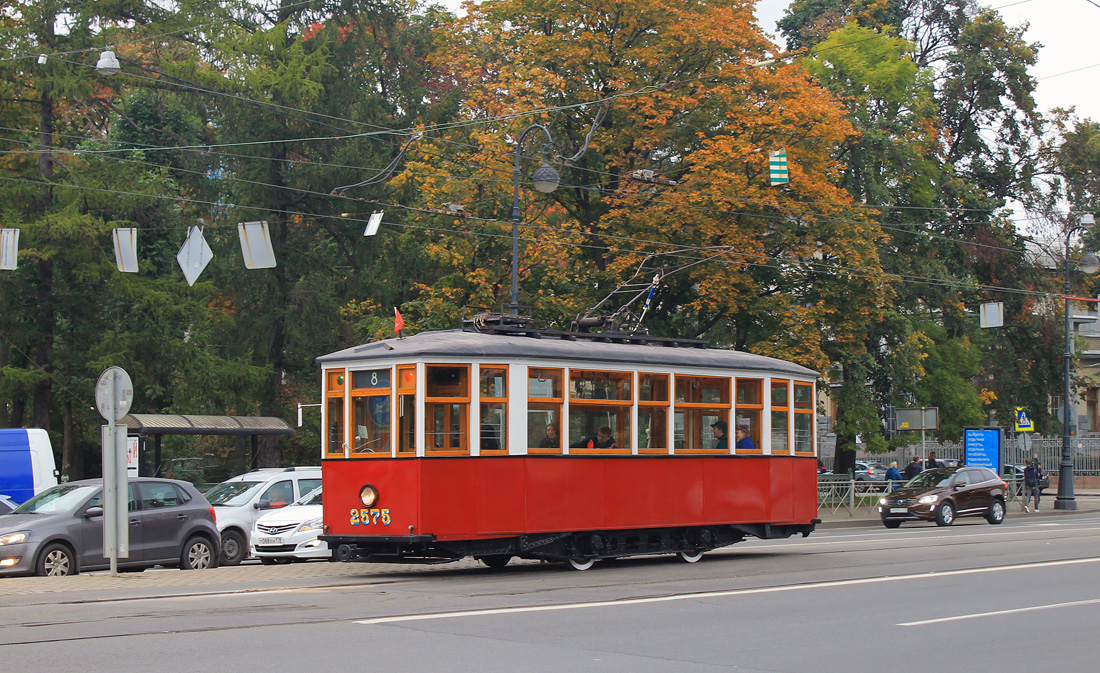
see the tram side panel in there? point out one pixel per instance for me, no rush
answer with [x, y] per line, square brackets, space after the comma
[653, 492]
[738, 490]
[398, 486]
[500, 497]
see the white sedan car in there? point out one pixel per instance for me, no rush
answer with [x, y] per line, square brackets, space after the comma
[290, 533]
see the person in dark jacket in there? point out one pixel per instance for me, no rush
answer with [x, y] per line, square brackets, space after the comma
[913, 469]
[551, 439]
[1032, 474]
[721, 438]
[601, 440]
[744, 440]
[933, 462]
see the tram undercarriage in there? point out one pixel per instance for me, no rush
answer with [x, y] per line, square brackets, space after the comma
[578, 549]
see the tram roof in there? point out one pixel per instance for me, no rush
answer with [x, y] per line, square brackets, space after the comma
[473, 345]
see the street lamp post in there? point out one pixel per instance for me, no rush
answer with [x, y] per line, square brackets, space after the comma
[1088, 264]
[546, 180]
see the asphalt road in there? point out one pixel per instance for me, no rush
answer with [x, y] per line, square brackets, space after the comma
[972, 597]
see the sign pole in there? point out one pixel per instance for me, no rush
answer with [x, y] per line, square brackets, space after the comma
[114, 392]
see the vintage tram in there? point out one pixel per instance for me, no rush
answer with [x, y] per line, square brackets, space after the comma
[502, 441]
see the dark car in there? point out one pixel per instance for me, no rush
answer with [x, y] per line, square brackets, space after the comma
[1018, 471]
[60, 530]
[945, 493]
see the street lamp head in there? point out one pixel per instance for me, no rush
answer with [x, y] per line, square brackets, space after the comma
[546, 179]
[108, 64]
[1087, 220]
[1089, 264]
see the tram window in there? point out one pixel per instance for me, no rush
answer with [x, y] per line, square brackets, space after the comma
[703, 390]
[406, 409]
[803, 418]
[406, 420]
[544, 383]
[598, 385]
[652, 429]
[652, 413]
[335, 415]
[544, 403]
[544, 427]
[446, 408]
[493, 389]
[749, 409]
[781, 420]
[701, 401]
[372, 424]
[589, 426]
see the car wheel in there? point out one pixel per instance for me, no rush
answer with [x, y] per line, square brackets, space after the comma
[496, 561]
[946, 515]
[233, 548]
[56, 560]
[890, 524]
[690, 556]
[197, 554]
[996, 512]
[580, 563]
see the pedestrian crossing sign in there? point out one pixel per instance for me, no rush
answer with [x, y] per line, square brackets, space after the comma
[1023, 420]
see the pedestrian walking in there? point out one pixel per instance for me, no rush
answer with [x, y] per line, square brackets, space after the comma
[1032, 474]
[913, 468]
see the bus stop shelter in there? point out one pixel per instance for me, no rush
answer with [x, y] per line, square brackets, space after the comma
[144, 426]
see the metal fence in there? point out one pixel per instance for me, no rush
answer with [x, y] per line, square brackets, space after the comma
[839, 493]
[1086, 453]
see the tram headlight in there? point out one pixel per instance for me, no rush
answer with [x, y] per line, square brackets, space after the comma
[368, 495]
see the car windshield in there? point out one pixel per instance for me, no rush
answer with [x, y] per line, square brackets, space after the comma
[63, 498]
[931, 478]
[311, 498]
[233, 493]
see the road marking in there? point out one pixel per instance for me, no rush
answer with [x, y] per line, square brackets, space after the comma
[995, 613]
[716, 594]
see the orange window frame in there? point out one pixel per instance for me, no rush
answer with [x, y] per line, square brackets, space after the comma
[803, 410]
[623, 407]
[462, 401]
[651, 403]
[502, 438]
[753, 410]
[721, 407]
[785, 408]
[334, 391]
[406, 399]
[364, 393]
[553, 404]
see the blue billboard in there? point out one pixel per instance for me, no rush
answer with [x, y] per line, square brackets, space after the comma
[983, 447]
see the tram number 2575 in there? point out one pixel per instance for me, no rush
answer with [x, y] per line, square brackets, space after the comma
[370, 517]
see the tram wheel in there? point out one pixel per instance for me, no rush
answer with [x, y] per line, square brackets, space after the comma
[496, 561]
[580, 563]
[690, 556]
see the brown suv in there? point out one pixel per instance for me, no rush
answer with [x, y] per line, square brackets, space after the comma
[944, 493]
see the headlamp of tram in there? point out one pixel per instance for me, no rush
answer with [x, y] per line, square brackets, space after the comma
[368, 495]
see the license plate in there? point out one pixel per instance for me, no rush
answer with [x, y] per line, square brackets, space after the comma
[899, 510]
[269, 541]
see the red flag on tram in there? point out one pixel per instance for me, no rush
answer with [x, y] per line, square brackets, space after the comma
[398, 321]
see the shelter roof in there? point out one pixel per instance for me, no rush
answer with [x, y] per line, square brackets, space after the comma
[185, 424]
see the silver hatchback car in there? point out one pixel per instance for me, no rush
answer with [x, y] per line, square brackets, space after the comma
[60, 530]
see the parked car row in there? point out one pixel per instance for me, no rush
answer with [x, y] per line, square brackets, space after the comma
[273, 513]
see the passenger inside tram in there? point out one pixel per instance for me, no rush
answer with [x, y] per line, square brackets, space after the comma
[601, 440]
[551, 439]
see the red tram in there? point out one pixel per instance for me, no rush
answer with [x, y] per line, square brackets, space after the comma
[562, 446]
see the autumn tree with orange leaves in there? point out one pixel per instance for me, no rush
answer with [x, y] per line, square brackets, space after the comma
[676, 174]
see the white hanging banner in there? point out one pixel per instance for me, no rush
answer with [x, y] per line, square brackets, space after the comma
[9, 249]
[373, 223]
[256, 245]
[194, 255]
[126, 249]
[992, 314]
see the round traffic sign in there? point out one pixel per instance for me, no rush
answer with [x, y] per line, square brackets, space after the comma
[119, 405]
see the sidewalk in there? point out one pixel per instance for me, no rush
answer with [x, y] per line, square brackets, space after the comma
[1088, 501]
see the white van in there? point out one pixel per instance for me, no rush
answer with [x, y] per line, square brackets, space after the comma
[239, 501]
[26, 463]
